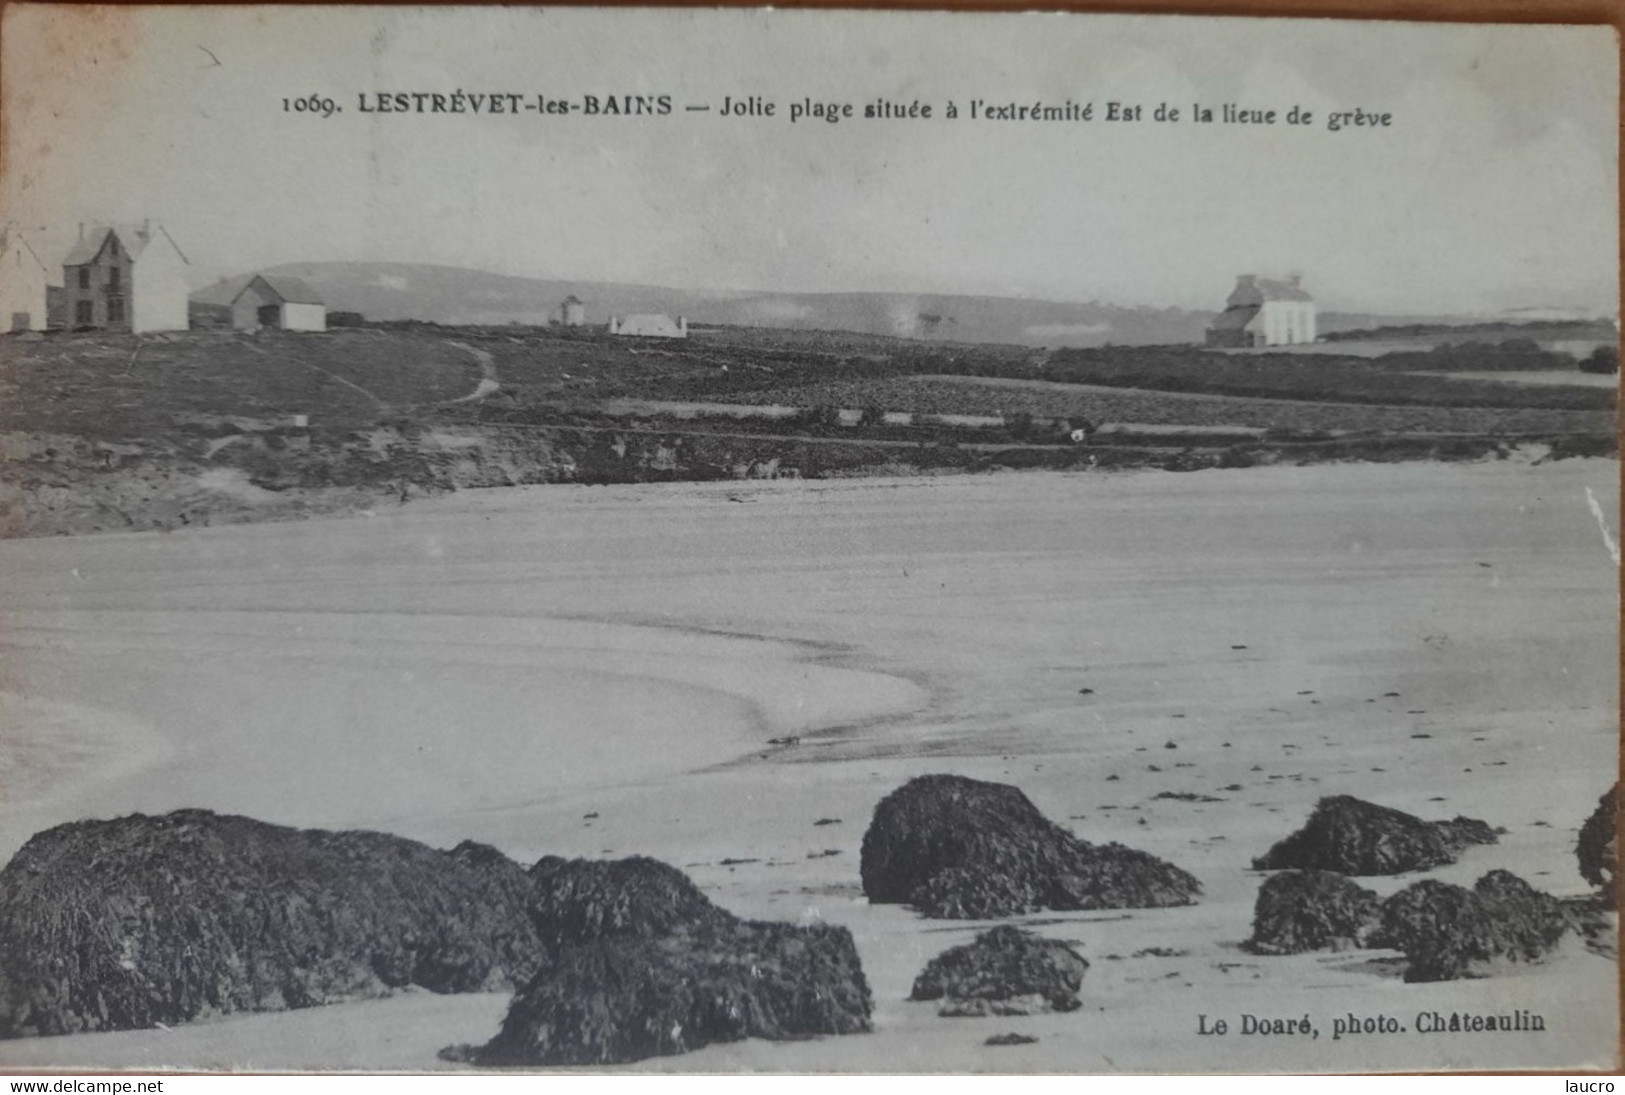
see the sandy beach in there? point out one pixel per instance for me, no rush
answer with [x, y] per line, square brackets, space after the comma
[602, 671]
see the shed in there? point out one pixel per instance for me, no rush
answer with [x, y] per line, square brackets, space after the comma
[280, 302]
[649, 325]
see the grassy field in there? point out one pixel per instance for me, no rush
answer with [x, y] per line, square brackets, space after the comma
[1320, 378]
[1100, 404]
[105, 431]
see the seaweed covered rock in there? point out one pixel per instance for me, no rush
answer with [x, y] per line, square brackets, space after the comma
[961, 848]
[1449, 932]
[1351, 836]
[1005, 971]
[1598, 850]
[1299, 911]
[581, 900]
[637, 993]
[112, 925]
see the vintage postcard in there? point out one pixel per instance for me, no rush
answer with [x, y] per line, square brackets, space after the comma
[806, 541]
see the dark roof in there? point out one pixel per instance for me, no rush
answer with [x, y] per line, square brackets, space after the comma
[135, 239]
[86, 250]
[1234, 319]
[1256, 290]
[289, 290]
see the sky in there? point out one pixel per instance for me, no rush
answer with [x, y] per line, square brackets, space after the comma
[1493, 187]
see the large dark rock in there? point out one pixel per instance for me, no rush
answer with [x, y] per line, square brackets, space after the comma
[1351, 836]
[1449, 932]
[1299, 911]
[109, 925]
[1598, 850]
[647, 966]
[1005, 971]
[581, 900]
[964, 849]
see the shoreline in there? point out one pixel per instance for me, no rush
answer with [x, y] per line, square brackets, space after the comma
[73, 491]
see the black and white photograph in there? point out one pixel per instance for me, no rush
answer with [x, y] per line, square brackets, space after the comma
[721, 541]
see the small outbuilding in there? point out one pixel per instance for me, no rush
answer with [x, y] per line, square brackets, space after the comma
[279, 302]
[649, 325]
[573, 313]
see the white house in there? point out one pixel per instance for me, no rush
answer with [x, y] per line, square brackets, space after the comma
[573, 312]
[649, 325]
[274, 300]
[1265, 312]
[23, 281]
[126, 278]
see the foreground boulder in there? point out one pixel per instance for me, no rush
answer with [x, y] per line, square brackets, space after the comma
[647, 966]
[1598, 850]
[961, 848]
[575, 901]
[1351, 836]
[1449, 932]
[1006, 971]
[114, 925]
[1299, 911]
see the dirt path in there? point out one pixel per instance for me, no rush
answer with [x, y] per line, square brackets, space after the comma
[488, 385]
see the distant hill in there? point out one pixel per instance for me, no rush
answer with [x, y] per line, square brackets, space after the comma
[449, 294]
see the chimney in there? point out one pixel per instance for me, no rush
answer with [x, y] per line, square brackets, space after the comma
[1245, 281]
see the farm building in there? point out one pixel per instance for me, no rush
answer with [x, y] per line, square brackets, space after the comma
[1264, 312]
[125, 279]
[573, 313]
[24, 285]
[279, 302]
[649, 325]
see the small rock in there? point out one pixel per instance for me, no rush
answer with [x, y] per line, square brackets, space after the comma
[1011, 1039]
[1006, 971]
[1299, 911]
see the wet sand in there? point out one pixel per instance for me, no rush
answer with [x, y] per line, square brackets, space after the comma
[498, 665]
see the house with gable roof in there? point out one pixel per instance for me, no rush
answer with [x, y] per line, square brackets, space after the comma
[1264, 312]
[125, 279]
